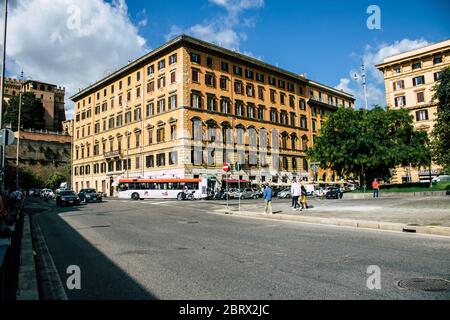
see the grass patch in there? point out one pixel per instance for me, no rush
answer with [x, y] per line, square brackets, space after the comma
[440, 186]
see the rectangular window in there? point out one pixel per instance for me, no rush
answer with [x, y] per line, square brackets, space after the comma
[149, 161]
[172, 102]
[224, 66]
[272, 81]
[237, 70]
[196, 101]
[161, 64]
[261, 93]
[173, 77]
[416, 65]
[138, 76]
[437, 60]
[399, 85]
[195, 76]
[161, 106]
[238, 87]
[223, 83]
[160, 160]
[250, 91]
[421, 115]
[173, 158]
[417, 81]
[151, 86]
[437, 76]
[209, 62]
[173, 59]
[161, 82]
[400, 101]
[151, 70]
[249, 74]
[209, 80]
[260, 77]
[211, 103]
[420, 97]
[150, 109]
[195, 58]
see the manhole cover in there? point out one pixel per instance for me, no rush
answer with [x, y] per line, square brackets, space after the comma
[425, 284]
[192, 222]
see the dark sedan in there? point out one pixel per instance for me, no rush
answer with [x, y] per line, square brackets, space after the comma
[334, 193]
[90, 195]
[67, 198]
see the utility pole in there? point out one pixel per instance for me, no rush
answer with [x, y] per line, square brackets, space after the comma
[2, 89]
[363, 77]
[18, 130]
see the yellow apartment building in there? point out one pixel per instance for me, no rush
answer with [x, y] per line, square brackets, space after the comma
[409, 79]
[188, 107]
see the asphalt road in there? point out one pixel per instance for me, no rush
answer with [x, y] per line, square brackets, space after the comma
[182, 250]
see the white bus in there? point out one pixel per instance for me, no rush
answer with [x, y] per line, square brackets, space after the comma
[137, 189]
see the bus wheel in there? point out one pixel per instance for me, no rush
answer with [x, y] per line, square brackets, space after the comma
[135, 196]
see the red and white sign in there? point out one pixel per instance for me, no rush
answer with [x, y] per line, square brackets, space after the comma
[226, 167]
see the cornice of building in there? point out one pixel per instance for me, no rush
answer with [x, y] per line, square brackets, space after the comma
[188, 41]
[430, 50]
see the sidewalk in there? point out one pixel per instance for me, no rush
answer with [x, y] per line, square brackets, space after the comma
[430, 215]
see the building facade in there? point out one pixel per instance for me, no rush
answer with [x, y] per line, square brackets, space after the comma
[410, 78]
[51, 96]
[188, 107]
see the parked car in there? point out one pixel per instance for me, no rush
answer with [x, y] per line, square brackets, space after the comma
[248, 193]
[333, 193]
[441, 178]
[67, 197]
[286, 193]
[90, 195]
[47, 193]
[276, 191]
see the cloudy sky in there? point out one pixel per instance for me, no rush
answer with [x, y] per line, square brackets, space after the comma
[73, 43]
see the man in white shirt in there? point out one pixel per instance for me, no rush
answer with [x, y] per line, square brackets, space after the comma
[296, 192]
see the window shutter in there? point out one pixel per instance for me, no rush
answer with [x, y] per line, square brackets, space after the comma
[394, 85]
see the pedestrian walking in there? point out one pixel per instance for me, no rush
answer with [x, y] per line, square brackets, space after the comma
[303, 198]
[376, 188]
[267, 196]
[296, 192]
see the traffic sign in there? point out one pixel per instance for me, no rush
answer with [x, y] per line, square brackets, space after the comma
[226, 167]
[238, 166]
[314, 168]
[6, 137]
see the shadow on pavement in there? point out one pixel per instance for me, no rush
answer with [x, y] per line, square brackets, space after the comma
[101, 279]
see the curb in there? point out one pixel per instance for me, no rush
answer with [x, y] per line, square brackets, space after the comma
[365, 224]
[28, 287]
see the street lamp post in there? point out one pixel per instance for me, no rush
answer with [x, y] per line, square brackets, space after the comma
[18, 130]
[2, 89]
[363, 77]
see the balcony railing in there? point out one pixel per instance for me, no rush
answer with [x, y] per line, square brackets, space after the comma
[113, 154]
[314, 99]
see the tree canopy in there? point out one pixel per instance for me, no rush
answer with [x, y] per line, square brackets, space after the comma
[369, 143]
[441, 131]
[32, 113]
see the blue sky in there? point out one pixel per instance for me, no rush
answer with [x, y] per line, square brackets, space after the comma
[73, 43]
[324, 39]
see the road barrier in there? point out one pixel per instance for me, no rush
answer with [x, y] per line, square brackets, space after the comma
[10, 256]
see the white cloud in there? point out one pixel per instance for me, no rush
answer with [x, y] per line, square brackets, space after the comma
[223, 30]
[52, 43]
[374, 78]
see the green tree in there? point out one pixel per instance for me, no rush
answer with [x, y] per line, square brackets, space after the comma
[369, 143]
[55, 180]
[32, 112]
[441, 132]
